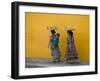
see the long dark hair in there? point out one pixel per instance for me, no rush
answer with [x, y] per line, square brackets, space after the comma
[53, 31]
[71, 33]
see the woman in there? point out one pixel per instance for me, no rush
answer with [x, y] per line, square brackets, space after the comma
[71, 53]
[53, 43]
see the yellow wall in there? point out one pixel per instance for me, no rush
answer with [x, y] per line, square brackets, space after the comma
[37, 35]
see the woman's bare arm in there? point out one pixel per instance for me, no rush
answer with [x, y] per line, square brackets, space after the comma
[49, 42]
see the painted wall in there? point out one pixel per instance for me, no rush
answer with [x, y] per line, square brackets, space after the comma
[37, 35]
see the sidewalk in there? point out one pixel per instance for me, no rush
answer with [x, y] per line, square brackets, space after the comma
[38, 63]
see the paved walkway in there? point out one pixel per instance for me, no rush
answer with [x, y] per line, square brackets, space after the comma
[38, 63]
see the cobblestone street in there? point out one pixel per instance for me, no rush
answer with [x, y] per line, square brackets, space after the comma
[38, 63]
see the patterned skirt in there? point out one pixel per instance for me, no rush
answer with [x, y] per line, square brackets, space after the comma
[55, 53]
[71, 54]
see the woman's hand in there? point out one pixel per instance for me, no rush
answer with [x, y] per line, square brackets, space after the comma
[48, 46]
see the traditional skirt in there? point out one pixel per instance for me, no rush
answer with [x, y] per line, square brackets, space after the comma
[71, 53]
[55, 53]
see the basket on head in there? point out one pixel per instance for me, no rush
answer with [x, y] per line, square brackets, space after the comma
[52, 28]
[69, 28]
